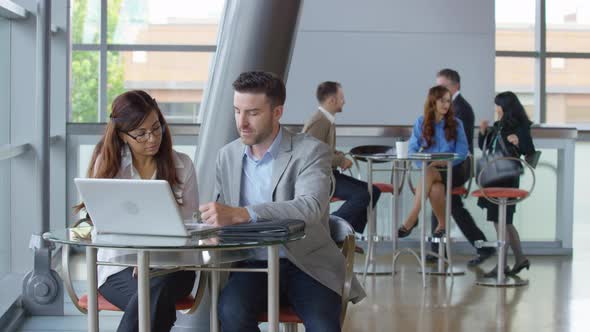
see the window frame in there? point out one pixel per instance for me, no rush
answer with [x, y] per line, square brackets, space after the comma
[103, 47]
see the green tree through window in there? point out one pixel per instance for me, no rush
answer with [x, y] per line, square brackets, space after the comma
[85, 64]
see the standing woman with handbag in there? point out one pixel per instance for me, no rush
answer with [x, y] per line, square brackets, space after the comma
[512, 134]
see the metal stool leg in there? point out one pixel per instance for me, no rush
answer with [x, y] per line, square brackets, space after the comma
[445, 248]
[501, 280]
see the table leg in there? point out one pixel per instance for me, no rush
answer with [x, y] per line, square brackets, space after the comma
[214, 287]
[395, 213]
[448, 219]
[273, 288]
[370, 229]
[423, 225]
[92, 289]
[143, 289]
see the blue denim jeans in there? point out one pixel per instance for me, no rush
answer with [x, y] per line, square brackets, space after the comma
[244, 297]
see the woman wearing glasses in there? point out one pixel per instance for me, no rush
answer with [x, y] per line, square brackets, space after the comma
[137, 145]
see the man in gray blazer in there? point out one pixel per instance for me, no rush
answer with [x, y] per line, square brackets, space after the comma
[270, 173]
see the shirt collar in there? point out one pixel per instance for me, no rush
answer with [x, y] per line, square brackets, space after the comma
[273, 150]
[327, 114]
[455, 95]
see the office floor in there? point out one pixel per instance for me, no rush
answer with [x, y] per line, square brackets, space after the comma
[557, 299]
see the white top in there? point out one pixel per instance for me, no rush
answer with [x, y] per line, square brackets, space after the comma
[186, 191]
[327, 114]
[455, 95]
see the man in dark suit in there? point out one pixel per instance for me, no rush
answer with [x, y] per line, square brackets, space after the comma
[450, 79]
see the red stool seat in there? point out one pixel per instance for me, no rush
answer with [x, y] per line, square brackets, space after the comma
[459, 191]
[286, 315]
[501, 193]
[182, 304]
[384, 187]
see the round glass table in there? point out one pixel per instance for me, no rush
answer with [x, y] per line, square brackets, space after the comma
[403, 165]
[200, 253]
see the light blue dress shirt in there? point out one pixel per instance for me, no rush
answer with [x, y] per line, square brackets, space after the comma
[440, 144]
[256, 184]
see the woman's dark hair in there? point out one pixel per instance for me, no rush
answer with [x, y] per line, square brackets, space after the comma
[128, 111]
[262, 82]
[435, 93]
[514, 113]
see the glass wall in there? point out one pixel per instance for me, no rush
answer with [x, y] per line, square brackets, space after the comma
[161, 46]
[560, 58]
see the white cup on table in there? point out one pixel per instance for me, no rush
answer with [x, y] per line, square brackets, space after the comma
[401, 149]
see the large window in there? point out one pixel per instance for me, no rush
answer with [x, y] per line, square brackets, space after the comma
[543, 54]
[164, 47]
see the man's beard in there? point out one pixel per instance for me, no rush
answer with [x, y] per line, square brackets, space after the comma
[256, 138]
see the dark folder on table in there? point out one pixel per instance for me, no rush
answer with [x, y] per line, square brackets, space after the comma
[264, 229]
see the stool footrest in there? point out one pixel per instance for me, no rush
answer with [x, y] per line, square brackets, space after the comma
[433, 239]
[493, 244]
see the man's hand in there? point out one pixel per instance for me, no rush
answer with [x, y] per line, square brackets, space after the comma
[346, 164]
[513, 139]
[222, 215]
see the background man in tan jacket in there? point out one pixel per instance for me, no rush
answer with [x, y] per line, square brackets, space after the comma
[321, 126]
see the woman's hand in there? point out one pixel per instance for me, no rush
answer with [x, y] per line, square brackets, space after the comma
[512, 138]
[483, 127]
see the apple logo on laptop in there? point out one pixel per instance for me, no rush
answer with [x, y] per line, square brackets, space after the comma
[130, 207]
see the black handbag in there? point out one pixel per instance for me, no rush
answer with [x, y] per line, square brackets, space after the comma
[500, 173]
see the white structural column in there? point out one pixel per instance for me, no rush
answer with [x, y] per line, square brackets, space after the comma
[253, 35]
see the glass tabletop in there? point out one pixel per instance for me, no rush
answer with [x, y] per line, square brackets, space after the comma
[419, 156]
[84, 236]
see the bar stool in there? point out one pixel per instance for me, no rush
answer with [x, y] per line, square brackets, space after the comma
[357, 153]
[441, 269]
[341, 232]
[502, 197]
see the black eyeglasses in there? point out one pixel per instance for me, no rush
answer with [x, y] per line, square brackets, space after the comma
[145, 136]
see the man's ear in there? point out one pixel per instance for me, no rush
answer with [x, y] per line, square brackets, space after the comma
[332, 99]
[277, 112]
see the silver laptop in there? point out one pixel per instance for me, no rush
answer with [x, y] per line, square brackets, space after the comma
[145, 207]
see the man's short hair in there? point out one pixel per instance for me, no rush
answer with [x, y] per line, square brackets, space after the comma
[326, 89]
[451, 75]
[262, 82]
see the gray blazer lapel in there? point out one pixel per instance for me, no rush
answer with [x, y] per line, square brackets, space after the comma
[280, 164]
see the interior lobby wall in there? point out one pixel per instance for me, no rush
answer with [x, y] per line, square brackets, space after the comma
[386, 54]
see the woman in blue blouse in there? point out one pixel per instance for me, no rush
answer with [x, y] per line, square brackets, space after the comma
[436, 131]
